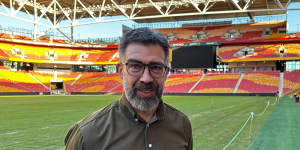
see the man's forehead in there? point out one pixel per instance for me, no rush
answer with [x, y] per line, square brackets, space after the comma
[137, 61]
[145, 53]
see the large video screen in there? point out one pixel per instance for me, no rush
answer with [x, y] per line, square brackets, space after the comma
[194, 57]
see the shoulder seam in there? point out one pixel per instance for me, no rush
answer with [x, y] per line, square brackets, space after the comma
[176, 110]
[103, 112]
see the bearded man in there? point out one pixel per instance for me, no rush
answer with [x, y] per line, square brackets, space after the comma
[140, 120]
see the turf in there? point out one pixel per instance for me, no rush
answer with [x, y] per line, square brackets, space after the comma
[41, 122]
[281, 130]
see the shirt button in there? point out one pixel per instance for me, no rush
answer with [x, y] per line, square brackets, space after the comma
[150, 145]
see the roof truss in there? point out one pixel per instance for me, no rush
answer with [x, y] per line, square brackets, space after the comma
[54, 11]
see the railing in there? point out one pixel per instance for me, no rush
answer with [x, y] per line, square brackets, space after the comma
[29, 33]
[239, 20]
[17, 31]
[100, 40]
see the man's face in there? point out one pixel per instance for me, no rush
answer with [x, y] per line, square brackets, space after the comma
[144, 88]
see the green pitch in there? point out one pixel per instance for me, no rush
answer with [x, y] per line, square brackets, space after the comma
[281, 129]
[41, 122]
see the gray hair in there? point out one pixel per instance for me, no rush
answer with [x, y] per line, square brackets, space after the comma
[144, 36]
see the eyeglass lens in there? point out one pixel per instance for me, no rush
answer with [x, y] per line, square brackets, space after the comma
[137, 69]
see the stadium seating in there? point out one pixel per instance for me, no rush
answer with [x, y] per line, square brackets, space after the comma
[85, 79]
[181, 83]
[96, 82]
[9, 86]
[117, 89]
[252, 82]
[63, 54]
[110, 81]
[291, 81]
[258, 52]
[249, 35]
[20, 81]
[6, 36]
[3, 54]
[241, 33]
[19, 37]
[260, 82]
[217, 83]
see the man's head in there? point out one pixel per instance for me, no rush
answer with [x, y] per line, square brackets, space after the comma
[144, 67]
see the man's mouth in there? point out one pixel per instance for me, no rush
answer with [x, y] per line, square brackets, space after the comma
[145, 93]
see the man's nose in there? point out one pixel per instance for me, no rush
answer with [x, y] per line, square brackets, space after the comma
[146, 76]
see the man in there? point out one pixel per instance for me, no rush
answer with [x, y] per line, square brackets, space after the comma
[139, 120]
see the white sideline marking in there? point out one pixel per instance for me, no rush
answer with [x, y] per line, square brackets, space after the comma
[208, 112]
[44, 127]
[53, 126]
[67, 110]
[215, 110]
[10, 133]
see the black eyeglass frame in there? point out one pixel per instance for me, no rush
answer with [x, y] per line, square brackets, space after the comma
[165, 67]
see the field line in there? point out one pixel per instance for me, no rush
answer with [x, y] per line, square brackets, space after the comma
[215, 110]
[54, 126]
[10, 133]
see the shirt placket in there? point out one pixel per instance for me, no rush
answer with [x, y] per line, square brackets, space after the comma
[147, 144]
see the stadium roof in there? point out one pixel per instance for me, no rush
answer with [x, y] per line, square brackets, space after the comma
[141, 10]
[50, 13]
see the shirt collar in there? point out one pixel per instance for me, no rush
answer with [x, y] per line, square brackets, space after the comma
[129, 111]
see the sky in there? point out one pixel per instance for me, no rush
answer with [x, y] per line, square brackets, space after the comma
[114, 29]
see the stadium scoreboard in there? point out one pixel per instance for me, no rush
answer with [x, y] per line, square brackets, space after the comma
[195, 56]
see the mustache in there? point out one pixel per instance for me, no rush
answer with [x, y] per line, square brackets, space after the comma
[145, 86]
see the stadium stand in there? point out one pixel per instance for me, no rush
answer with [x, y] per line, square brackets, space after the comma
[20, 37]
[117, 89]
[258, 39]
[21, 80]
[5, 36]
[84, 81]
[111, 81]
[253, 82]
[241, 33]
[3, 54]
[260, 82]
[99, 83]
[291, 81]
[32, 53]
[181, 83]
[217, 83]
[259, 52]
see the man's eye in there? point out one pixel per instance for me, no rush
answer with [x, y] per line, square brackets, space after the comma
[156, 67]
[135, 66]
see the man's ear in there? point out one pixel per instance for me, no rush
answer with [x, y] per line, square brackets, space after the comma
[120, 70]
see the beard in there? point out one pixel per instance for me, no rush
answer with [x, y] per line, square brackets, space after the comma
[141, 103]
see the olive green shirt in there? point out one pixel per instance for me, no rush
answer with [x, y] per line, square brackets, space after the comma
[118, 127]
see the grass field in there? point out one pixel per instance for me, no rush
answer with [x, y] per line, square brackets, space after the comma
[41, 122]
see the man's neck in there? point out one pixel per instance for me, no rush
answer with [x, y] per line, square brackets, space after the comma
[147, 115]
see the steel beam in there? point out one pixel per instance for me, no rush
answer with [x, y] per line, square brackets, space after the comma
[21, 5]
[129, 11]
[174, 15]
[167, 11]
[87, 10]
[132, 11]
[195, 5]
[157, 7]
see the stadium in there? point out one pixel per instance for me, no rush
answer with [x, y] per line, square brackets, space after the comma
[235, 78]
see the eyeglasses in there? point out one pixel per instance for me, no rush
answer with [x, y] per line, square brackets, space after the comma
[136, 69]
